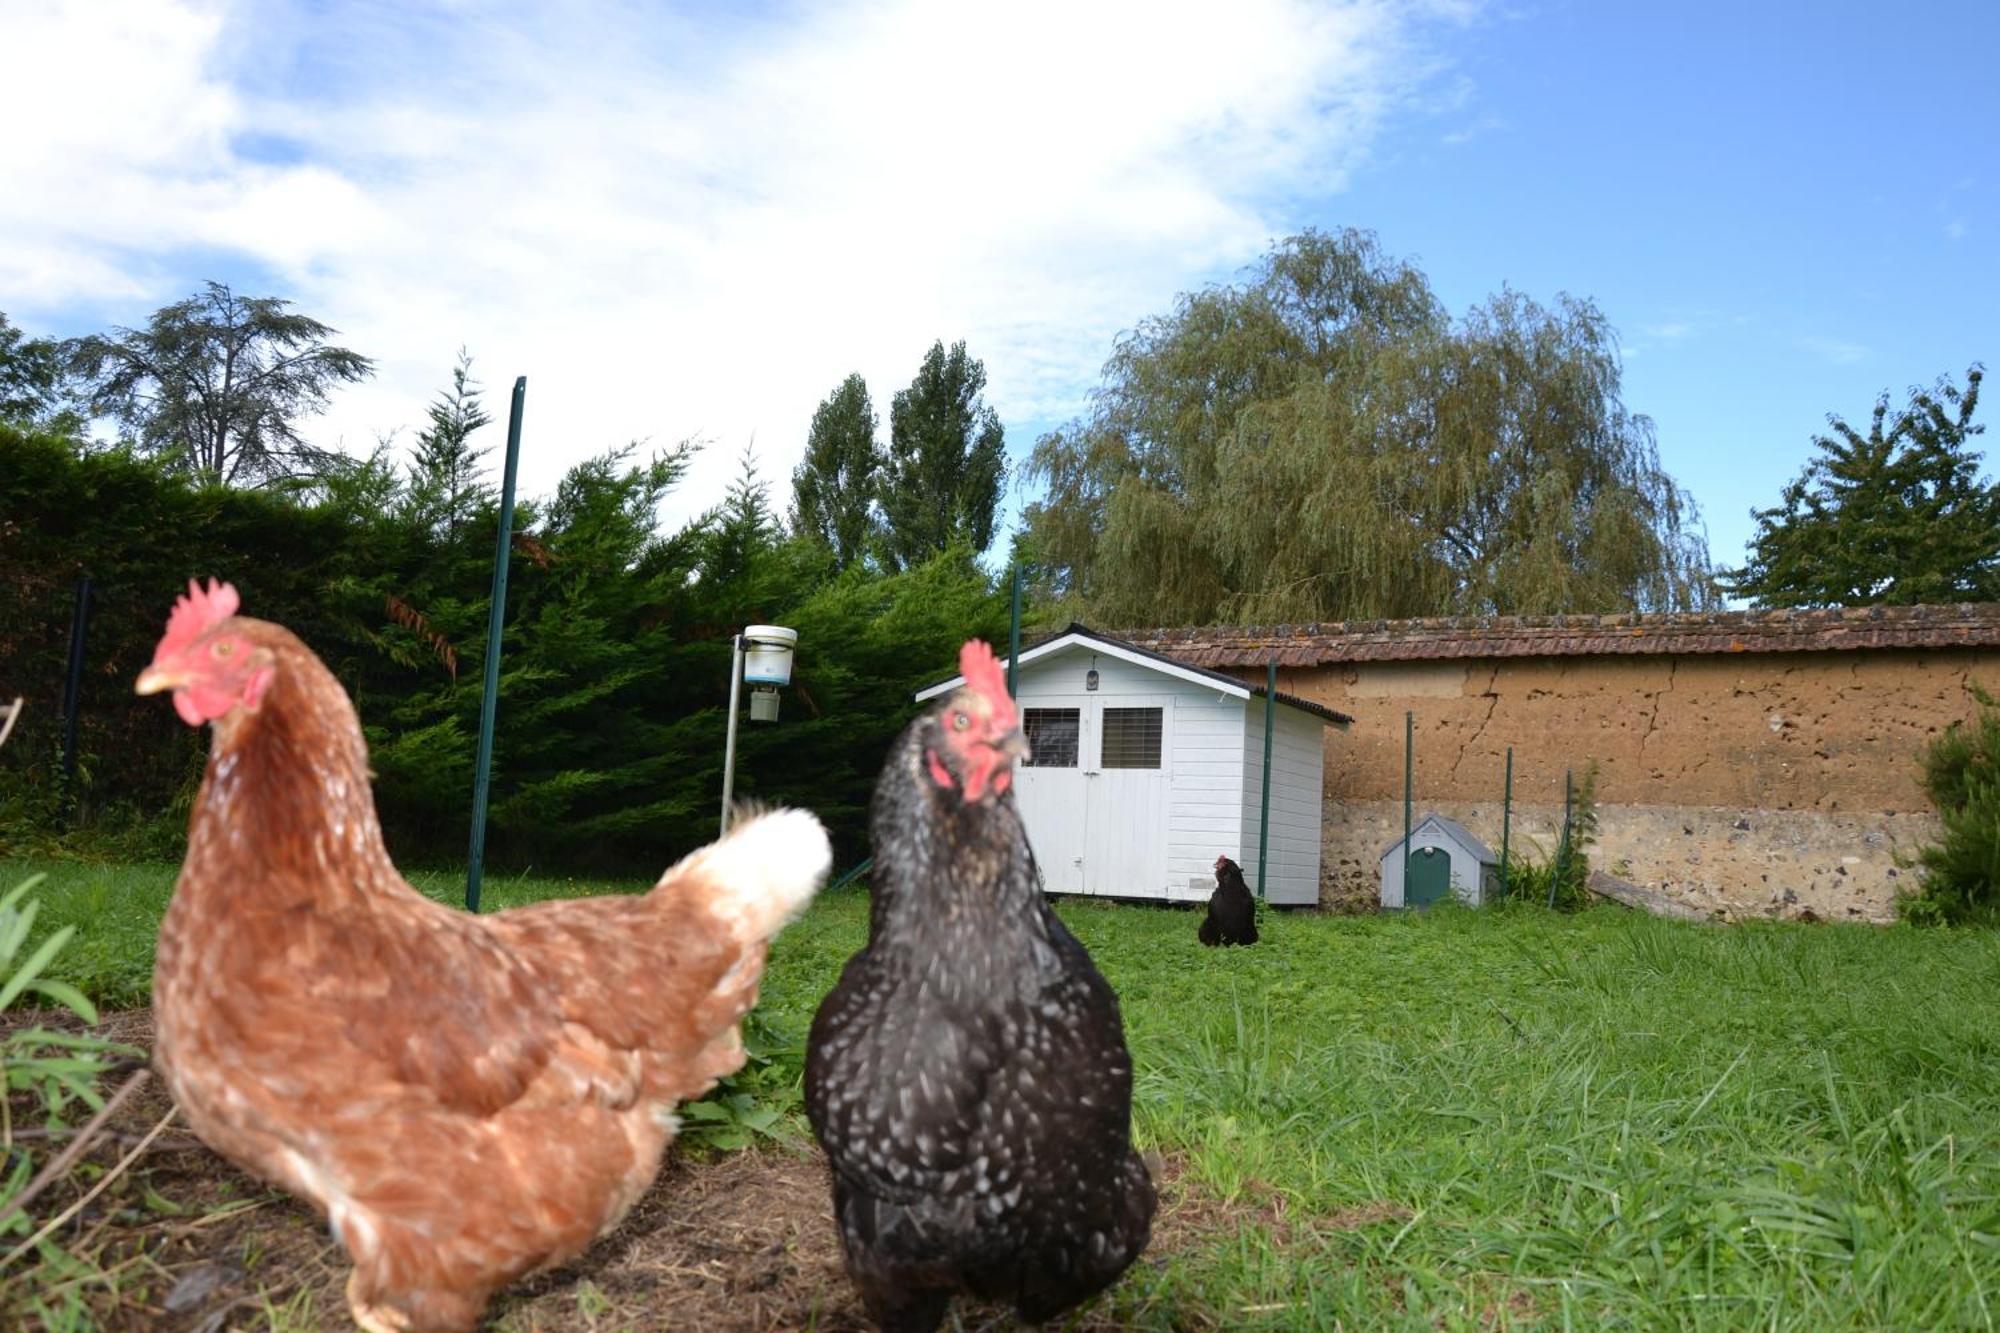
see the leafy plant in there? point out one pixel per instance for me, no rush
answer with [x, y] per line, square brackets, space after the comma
[1960, 873]
[1562, 879]
[57, 1071]
[762, 1100]
[58, 1068]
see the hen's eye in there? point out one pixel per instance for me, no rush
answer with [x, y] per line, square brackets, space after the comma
[223, 647]
[959, 722]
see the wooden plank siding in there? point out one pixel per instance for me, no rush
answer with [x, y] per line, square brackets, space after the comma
[1208, 785]
[1297, 766]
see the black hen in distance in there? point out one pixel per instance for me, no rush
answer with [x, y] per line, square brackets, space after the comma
[968, 1076]
[1232, 912]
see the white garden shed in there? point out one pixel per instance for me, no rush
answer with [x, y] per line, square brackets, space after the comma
[1144, 770]
[1446, 857]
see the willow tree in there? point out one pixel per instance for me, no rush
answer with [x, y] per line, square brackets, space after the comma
[1323, 442]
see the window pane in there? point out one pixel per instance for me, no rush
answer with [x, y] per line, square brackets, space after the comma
[1131, 738]
[1052, 736]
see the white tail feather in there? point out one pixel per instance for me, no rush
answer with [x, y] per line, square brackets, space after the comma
[763, 873]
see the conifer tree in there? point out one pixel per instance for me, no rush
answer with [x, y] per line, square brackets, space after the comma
[217, 384]
[1898, 515]
[445, 487]
[31, 377]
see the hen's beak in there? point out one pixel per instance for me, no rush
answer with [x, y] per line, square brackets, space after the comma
[156, 678]
[1014, 745]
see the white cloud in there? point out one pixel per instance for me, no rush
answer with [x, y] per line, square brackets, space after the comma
[1477, 128]
[1672, 331]
[674, 225]
[1837, 350]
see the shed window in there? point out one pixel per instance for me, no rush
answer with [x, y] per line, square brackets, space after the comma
[1052, 736]
[1132, 737]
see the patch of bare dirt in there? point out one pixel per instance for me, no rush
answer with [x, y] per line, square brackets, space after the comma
[743, 1241]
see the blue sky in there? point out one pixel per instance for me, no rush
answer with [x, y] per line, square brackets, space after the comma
[694, 220]
[1783, 209]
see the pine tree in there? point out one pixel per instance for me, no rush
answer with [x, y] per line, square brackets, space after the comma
[744, 525]
[445, 487]
[1898, 515]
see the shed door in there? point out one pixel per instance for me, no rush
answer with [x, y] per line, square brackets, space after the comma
[1049, 789]
[1127, 739]
[1430, 876]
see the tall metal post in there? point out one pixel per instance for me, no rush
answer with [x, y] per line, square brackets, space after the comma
[79, 627]
[1506, 818]
[1409, 765]
[1014, 633]
[1562, 847]
[496, 620]
[729, 745]
[1264, 806]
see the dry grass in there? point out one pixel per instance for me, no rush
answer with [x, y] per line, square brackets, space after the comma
[742, 1241]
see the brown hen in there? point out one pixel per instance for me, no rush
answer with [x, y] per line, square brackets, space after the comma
[466, 1098]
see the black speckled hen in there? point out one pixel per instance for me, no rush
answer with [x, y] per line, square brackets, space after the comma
[968, 1076]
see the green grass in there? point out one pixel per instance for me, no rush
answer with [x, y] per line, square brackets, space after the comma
[1511, 1118]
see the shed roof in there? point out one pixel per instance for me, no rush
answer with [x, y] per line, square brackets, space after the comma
[1076, 635]
[1452, 829]
[1970, 625]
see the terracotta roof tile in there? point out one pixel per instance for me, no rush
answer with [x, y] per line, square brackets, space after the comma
[1838, 629]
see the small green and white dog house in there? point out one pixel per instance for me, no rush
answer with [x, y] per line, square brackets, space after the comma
[1445, 858]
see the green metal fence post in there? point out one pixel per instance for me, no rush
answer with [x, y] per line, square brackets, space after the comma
[1562, 846]
[496, 619]
[867, 864]
[79, 627]
[1506, 818]
[1014, 633]
[1264, 806]
[1409, 765]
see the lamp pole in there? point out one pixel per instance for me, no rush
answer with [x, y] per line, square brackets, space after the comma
[764, 654]
[729, 746]
[1014, 633]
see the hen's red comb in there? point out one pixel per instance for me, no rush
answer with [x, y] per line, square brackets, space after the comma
[982, 673]
[195, 612]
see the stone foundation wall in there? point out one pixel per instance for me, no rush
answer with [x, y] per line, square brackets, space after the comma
[1736, 863]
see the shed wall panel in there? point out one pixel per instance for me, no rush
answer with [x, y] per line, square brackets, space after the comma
[1296, 779]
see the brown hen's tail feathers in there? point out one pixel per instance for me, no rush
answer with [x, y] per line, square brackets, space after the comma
[762, 873]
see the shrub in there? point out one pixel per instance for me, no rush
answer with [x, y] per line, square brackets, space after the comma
[1960, 874]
